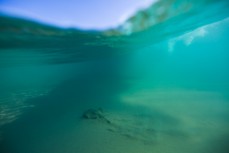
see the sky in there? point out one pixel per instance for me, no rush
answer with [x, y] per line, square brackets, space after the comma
[85, 14]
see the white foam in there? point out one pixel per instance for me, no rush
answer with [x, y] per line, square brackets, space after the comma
[189, 37]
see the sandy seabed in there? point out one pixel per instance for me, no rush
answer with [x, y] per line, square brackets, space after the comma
[155, 121]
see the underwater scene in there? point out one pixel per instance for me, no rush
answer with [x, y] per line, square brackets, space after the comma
[157, 83]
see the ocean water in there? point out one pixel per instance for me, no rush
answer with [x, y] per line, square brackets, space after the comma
[160, 81]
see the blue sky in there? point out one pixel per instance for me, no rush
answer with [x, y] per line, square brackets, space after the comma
[86, 14]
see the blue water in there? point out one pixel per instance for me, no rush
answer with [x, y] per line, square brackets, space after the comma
[161, 78]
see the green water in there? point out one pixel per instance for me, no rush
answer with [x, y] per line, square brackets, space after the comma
[162, 79]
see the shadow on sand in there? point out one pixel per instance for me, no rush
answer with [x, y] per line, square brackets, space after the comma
[63, 106]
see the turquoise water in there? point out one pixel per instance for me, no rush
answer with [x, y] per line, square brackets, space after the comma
[162, 79]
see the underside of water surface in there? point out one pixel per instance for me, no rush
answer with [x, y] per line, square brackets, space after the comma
[158, 83]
